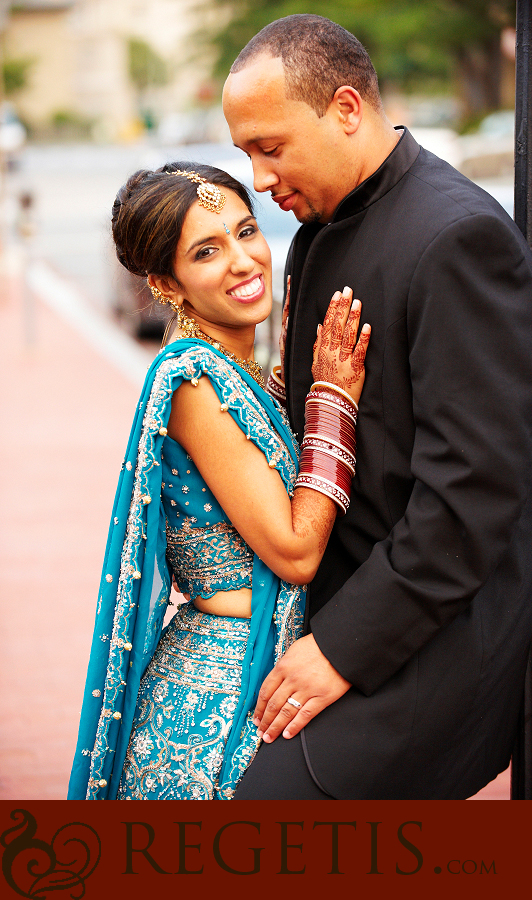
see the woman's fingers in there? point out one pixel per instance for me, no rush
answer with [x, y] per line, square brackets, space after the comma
[358, 357]
[284, 328]
[351, 330]
[286, 306]
[335, 319]
[317, 346]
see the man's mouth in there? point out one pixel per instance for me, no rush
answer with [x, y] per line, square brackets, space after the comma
[285, 201]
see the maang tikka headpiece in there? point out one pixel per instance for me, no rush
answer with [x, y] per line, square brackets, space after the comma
[209, 195]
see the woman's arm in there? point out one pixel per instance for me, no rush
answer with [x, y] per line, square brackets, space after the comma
[289, 536]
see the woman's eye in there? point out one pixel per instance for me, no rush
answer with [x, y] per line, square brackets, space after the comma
[205, 252]
[248, 231]
[270, 152]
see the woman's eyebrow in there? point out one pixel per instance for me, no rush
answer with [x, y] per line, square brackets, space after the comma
[213, 237]
[204, 240]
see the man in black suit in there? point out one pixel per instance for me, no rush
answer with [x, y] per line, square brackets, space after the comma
[410, 676]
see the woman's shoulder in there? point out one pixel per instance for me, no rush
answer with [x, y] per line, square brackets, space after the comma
[249, 407]
[195, 358]
[192, 362]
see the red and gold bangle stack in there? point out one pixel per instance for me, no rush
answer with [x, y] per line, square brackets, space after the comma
[275, 387]
[327, 462]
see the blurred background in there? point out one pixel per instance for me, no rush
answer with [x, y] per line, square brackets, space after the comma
[90, 91]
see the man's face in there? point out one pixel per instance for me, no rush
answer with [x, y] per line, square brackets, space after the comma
[294, 153]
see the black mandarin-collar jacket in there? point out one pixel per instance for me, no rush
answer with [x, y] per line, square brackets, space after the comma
[423, 600]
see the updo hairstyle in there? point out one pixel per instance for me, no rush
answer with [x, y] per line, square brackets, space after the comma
[149, 211]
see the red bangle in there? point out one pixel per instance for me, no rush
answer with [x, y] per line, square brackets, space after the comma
[315, 463]
[337, 390]
[325, 487]
[327, 462]
[275, 387]
[319, 446]
[328, 402]
[336, 430]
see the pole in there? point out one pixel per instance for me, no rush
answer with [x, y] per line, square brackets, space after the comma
[522, 756]
[523, 120]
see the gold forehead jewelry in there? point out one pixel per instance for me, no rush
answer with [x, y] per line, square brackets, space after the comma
[209, 195]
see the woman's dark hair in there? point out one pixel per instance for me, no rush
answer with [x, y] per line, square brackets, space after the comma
[149, 211]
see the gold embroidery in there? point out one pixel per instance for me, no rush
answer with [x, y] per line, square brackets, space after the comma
[210, 559]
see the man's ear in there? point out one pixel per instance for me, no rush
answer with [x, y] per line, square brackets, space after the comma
[348, 106]
[168, 287]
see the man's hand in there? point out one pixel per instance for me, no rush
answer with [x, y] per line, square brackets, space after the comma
[305, 675]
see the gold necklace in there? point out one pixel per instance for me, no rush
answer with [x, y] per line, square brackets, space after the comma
[192, 329]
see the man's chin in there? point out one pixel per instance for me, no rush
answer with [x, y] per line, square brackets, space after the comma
[308, 215]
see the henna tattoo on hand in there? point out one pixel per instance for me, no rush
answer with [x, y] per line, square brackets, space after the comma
[350, 334]
[336, 356]
[332, 333]
[359, 356]
[284, 328]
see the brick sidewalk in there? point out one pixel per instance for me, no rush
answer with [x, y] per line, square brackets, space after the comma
[66, 414]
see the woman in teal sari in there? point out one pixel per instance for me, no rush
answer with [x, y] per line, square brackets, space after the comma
[209, 495]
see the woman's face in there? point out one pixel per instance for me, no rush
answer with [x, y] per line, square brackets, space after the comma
[223, 265]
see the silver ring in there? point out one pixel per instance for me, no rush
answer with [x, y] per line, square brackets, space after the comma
[293, 702]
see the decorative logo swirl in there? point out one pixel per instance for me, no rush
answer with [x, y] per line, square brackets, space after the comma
[33, 868]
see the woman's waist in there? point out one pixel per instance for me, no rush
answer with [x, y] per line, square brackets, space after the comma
[236, 604]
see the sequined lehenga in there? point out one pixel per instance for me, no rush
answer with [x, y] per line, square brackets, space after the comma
[170, 717]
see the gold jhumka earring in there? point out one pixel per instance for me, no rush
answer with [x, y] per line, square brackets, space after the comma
[162, 298]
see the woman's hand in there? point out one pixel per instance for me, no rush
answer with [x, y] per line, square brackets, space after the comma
[338, 356]
[284, 329]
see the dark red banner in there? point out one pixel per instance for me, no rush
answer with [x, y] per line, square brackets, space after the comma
[136, 850]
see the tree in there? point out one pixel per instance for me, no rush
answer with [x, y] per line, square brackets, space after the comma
[15, 74]
[416, 45]
[146, 69]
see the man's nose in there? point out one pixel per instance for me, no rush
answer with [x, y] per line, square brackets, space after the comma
[264, 177]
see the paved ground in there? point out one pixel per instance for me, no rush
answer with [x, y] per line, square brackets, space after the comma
[66, 412]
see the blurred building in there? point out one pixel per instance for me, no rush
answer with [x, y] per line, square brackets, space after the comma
[112, 67]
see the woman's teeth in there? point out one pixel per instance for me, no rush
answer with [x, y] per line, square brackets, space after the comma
[247, 289]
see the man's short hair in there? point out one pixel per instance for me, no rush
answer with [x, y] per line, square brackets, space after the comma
[318, 57]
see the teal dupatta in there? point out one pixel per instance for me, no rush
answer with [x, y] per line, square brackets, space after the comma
[136, 585]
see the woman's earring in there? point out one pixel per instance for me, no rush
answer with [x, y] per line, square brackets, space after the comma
[156, 294]
[162, 298]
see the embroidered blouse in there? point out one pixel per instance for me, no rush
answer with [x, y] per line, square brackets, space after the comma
[205, 552]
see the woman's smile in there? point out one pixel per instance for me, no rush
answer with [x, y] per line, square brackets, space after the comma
[250, 290]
